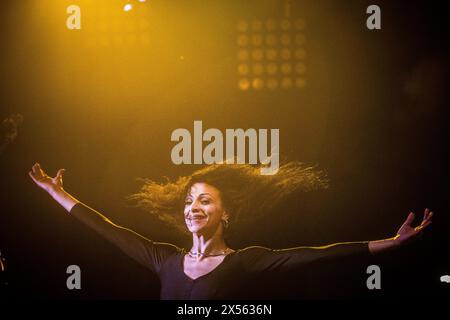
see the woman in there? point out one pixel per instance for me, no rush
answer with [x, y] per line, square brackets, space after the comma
[215, 198]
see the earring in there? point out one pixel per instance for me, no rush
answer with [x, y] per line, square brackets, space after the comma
[225, 223]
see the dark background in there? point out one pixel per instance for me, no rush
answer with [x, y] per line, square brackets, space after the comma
[373, 115]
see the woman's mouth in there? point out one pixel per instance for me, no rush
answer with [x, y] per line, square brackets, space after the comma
[196, 218]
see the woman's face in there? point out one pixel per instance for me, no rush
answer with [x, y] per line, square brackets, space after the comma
[203, 209]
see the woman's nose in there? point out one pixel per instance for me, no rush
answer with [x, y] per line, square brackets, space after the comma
[195, 207]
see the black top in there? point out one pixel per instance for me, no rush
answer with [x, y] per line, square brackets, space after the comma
[229, 279]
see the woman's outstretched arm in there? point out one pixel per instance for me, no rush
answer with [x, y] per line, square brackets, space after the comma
[258, 259]
[149, 253]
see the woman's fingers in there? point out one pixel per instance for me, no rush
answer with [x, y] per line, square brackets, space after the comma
[31, 174]
[422, 226]
[427, 216]
[409, 219]
[37, 170]
[426, 213]
[37, 173]
[59, 176]
[60, 173]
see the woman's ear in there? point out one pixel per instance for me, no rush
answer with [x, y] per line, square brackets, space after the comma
[225, 219]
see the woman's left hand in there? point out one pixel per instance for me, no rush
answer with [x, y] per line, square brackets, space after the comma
[407, 232]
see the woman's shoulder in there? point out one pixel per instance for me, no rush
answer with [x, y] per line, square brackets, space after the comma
[252, 251]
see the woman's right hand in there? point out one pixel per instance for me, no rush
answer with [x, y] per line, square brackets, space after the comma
[46, 182]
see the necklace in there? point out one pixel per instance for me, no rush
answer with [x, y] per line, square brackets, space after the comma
[202, 254]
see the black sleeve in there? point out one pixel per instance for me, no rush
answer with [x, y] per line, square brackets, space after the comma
[260, 259]
[149, 253]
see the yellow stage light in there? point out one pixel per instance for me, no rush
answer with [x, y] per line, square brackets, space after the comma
[127, 7]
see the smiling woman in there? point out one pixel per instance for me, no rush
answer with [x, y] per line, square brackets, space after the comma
[214, 198]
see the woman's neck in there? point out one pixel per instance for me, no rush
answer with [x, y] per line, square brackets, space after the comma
[204, 245]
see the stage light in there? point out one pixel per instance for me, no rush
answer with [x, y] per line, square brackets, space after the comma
[258, 68]
[257, 40]
[271, 40]
[244, 84]
[300, 82]
[257, 83]
[285, 24]
[243, 69]
[243, 55]
[286, 54]
[300, 68]
[271, 54]
[257, 54]
[242, 40]
[267, 47]
[141, 0]
[242, 25]
[272, 68]
[285, 39]
[127, 7]
[286, 68]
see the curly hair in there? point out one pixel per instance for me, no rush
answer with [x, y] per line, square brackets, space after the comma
[245, 193]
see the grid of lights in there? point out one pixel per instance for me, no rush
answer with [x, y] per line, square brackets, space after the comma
[271, 54]
[116, 28]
